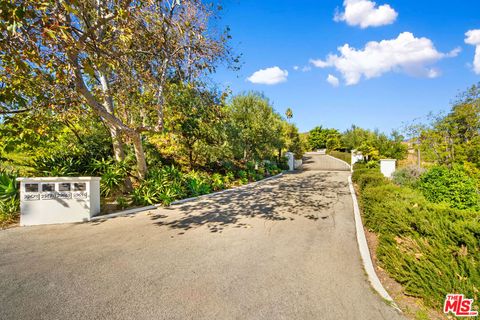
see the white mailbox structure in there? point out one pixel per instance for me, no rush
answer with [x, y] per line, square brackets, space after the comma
[58, 199]
[387, 167]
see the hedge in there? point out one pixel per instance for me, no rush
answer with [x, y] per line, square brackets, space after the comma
[431, 249]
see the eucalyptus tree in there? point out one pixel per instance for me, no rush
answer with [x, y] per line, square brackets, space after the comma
[114, 56]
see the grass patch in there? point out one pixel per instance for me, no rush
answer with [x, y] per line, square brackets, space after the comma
[345, 156]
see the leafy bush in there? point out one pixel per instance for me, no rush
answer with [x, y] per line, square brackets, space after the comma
[217, 182]
[59, 166]
[271, 169]
[242, 174]
[450, 185]
[283, 163]
[408, 176]
[163, 185]
[368, 177]
[429, 248]
[113, 175]
[372, 164]
[229, 177]
[197, 184]
[122, 202]
[9, 196]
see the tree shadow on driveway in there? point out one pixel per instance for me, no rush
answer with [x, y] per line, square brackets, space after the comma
[298, 195]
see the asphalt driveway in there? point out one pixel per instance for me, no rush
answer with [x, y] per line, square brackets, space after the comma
[282, 249]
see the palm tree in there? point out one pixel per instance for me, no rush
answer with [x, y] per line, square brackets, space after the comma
[289, 113]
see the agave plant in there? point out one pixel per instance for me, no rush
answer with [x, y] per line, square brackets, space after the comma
[9, 195]
[8, 186]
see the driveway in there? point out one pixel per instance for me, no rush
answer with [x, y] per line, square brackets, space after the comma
[281, 249]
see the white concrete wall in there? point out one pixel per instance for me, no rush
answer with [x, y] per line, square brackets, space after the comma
[58, 199]
[387, 167]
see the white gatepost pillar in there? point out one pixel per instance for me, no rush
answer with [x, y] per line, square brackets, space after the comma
[356, 157]
[387, 167]
[291, 160]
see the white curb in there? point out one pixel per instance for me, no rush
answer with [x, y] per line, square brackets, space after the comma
[363, 246]
[365, 252]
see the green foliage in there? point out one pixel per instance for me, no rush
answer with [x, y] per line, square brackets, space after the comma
[9, 196]
[450, 185]
[429, 248]
[368, 178]
[255, 130]
[374, 144]
[197, 184]
[408, 176]
[318, 137]
[59, 166]
[218, 182]
[113, 175]
[163, 185]
[242, 174]
[372, 164]
[454, 138]
[122, 202]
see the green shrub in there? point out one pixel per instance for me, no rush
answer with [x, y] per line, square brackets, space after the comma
[429, 248]
[271, 169]
[242, 174]
[59, 166]
[408, 176]
[359, 165]
[113, 175]
[250, 166]
[229, 177]
[9, 196]
[122, 202]
[283, 163]
[217, 182]
[197, 184]
[163, 185]
[372, 164]
[450, 185]
[368, 177]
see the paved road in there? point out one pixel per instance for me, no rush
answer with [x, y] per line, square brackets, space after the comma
[283, 249]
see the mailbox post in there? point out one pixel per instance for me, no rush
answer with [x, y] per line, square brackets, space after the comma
[51, 200]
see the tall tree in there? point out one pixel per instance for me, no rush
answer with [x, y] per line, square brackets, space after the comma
[100, 53]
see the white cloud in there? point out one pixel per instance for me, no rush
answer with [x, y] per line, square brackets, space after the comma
[366, 13]
[406, 54]
[333, 80]
[473, 38]
[306, 69]
[270, 76]
[296, 68]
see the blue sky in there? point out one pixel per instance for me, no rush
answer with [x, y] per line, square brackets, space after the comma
[404, 84]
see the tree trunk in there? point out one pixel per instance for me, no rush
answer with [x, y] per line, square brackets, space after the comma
[139, 155]
[117, 144]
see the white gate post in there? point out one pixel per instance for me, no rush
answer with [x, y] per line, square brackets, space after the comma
[387, 167]
[291, 160]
